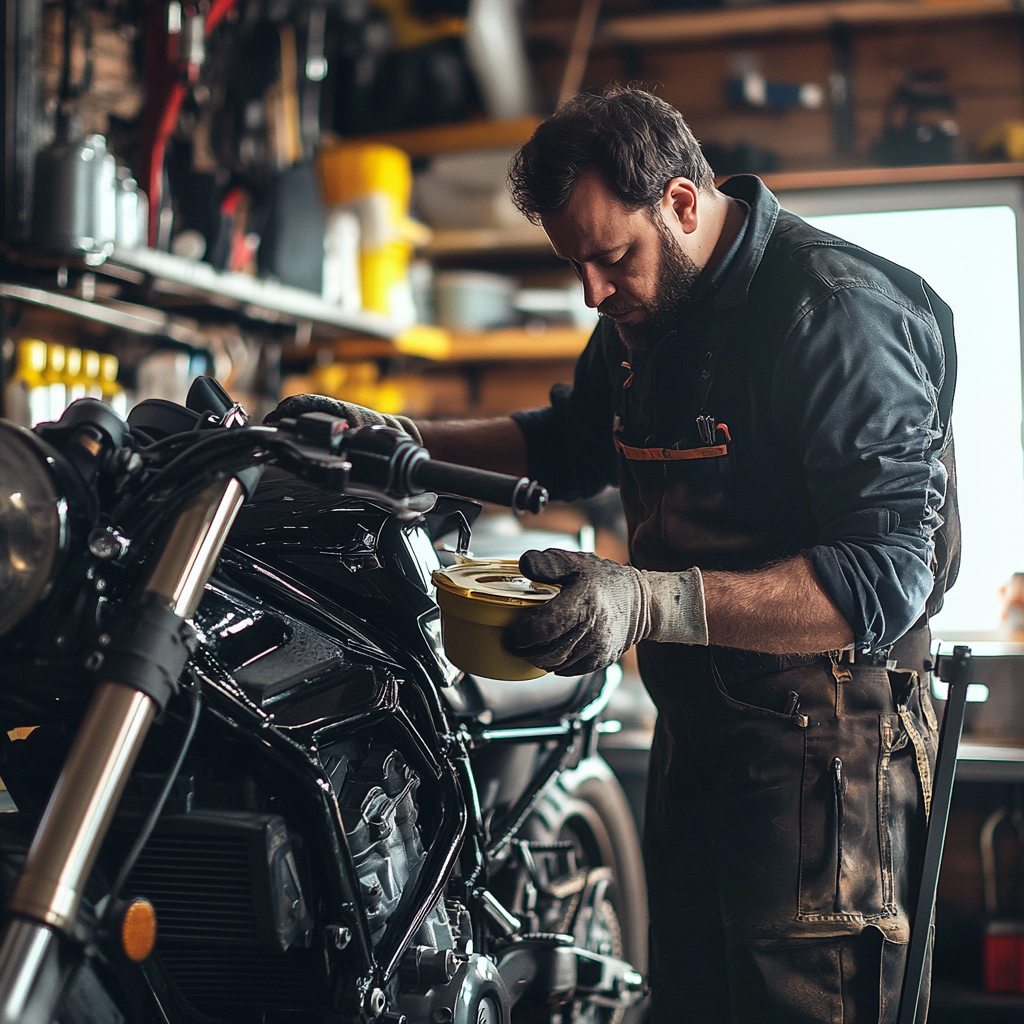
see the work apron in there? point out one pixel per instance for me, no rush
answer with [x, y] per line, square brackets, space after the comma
[787, 795]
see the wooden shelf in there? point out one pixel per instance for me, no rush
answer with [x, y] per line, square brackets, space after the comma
[673, 27]
[512, 344]
[454, 138]
[255, 298]
[522, 238]
[518, 344]
[787, 181]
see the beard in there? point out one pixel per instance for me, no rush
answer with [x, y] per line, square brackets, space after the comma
[677, 277]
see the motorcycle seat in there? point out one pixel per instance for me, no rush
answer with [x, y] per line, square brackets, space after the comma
[521, 698]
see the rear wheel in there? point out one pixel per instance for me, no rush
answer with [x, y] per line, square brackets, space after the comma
[587, 808]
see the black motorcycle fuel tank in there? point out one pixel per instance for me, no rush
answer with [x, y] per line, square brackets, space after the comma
[346, 567]
[301, 674]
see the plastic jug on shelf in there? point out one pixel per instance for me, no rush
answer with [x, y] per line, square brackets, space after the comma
[56, 363]
[113, 394]
[27, 394]
[91, 373]
[374, 181]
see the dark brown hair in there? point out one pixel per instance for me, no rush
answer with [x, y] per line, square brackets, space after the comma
[637, 142]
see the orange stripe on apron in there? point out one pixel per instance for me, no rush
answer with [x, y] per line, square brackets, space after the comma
[670, 454]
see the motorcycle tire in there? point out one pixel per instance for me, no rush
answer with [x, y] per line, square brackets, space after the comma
[586, 805]
[86, 999]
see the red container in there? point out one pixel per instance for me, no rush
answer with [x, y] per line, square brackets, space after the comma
[1004, 956]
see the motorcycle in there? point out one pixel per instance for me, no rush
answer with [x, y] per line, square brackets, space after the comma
[248, 785]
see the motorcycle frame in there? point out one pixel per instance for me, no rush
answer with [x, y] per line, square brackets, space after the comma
[462, 832]
[75, 823]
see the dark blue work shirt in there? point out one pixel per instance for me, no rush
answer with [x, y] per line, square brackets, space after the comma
[832, 373]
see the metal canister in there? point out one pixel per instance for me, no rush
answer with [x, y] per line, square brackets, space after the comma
[132, 212]
[75, 199]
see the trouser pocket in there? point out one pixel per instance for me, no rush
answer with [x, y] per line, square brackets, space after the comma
[866, 791]
[813, 801]
[847, 803]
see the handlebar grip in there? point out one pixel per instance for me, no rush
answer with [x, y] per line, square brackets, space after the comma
[520, 493]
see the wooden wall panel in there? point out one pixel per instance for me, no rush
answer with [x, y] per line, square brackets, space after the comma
[694, 79]
[978, 56]
[983, 61]
[803, 139]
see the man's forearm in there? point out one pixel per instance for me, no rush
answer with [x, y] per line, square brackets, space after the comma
[495, 444]
[782, 609]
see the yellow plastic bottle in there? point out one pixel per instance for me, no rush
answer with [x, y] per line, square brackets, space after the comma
[91, 374]
[75, 385]
[113, 394]
[56, 361]
[27, 394]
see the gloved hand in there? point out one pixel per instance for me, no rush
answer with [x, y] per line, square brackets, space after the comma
[357, 415]
[602, 610]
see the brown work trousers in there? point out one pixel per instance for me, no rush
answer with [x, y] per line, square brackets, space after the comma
[783, 840]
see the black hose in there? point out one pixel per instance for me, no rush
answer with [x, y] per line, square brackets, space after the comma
[243, 437]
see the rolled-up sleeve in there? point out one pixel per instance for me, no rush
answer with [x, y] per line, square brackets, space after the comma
[569, 445]
[857, 388]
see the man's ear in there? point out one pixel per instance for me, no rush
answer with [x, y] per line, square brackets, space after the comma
[679, 204]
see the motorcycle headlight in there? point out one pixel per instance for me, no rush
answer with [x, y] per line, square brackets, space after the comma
[31, 523]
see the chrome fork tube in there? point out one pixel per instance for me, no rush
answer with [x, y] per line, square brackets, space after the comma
[82, 803]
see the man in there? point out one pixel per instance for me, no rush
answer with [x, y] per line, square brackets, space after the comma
[774, 404]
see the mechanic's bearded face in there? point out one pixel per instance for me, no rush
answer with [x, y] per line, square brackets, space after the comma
[632, 264]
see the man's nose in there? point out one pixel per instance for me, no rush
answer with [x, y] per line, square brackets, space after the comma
[596, 286]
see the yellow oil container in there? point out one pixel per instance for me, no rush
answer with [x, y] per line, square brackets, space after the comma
[113, 394]
[91, 373]
[75, 382]
[27, 393]
[56, 362]
[477, 601]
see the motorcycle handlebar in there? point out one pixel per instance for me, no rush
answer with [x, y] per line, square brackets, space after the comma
[520, 493]
[390, 460]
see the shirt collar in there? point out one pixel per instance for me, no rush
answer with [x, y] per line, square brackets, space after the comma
[711, 285]
[719, 275]
[737, 269]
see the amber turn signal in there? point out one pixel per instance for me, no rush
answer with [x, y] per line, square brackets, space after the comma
[138, 929]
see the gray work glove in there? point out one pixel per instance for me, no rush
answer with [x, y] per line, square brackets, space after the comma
[602, 610]
[357, 415]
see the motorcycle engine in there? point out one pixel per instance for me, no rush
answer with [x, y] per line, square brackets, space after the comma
[377, 800]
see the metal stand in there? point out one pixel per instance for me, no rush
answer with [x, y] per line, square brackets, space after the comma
[957, 671]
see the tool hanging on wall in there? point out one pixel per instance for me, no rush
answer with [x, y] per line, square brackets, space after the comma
[75, 18]
[175, 49]
[315, 71]
[748, 86]
[918, 128]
